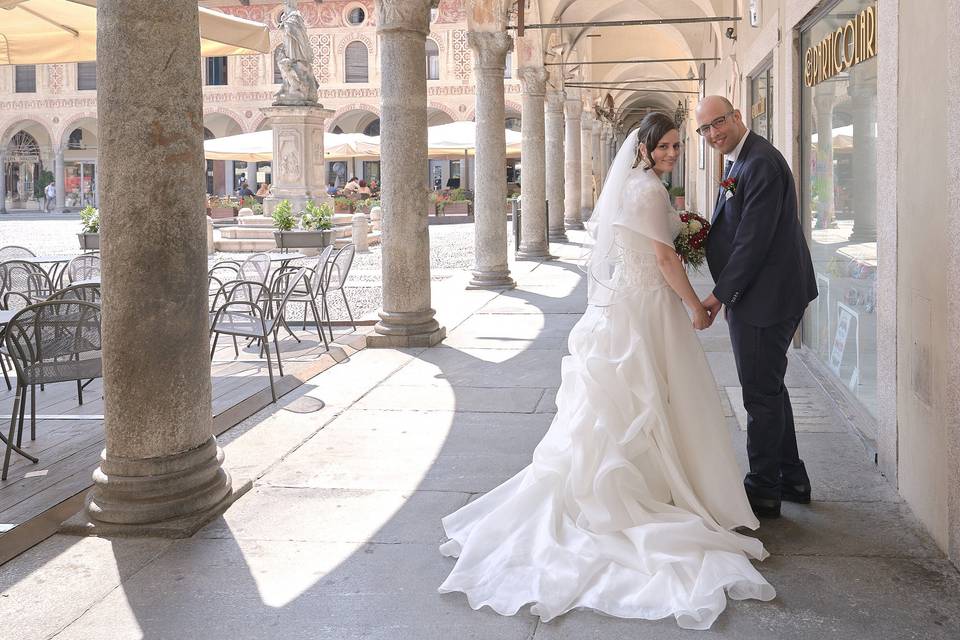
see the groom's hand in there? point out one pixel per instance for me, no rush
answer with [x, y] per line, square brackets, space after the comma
[713, 306]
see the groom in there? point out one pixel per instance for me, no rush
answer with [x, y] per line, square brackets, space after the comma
[764, 277]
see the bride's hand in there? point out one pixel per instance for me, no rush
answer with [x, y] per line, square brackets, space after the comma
[701, 319]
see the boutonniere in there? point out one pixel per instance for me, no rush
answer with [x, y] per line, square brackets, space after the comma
[729, 186]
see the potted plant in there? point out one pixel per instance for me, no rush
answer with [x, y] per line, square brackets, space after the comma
[89, 237]
[679, 201]
[315, 224]
[342, 204]
[438, 202]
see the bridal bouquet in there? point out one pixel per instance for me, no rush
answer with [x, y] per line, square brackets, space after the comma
[691, 243]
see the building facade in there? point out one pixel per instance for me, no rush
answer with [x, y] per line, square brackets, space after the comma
[48, 113]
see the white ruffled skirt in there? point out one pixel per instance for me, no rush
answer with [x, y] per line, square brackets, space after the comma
[629, 504]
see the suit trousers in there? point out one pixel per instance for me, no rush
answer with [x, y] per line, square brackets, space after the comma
[761, 357]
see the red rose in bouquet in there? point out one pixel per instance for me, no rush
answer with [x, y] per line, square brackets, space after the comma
[691, 242]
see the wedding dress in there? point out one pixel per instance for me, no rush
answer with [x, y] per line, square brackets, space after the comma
[629, 504]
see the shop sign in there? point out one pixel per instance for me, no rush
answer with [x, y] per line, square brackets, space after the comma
[758, 108]
[849, 45]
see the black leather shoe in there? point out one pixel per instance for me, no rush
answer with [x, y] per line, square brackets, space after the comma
[764, 507]
[799, 493]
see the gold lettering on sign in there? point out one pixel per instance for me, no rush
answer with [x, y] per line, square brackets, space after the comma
[849, 45]
[759, 108]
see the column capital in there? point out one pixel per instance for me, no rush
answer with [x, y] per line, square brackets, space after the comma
[555, 100]
[403, 15]
[533, 80]
[490, 49]
[573, 107]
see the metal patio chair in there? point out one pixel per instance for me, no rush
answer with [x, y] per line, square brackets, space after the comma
[257, 317]
[12, 251]
[310, 289]
[83, 267]
[53, 341]
[23, 283]
[338, 269]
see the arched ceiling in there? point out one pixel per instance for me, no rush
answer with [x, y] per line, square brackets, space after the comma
[695, 40]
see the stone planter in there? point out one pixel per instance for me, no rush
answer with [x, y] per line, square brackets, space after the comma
[89, 241]
[458, 208]
[222, 212]
[342, 208]
[303, 239]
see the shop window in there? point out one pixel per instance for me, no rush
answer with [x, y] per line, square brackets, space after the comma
[86, 76]
[355, 62]
[433, 60]
[839, 203]
[372, 129]
[26, 78]
[762, 103]
[508, 67]
[216, 69]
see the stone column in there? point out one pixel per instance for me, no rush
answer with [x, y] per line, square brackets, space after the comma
[490, 52]
[533, 225]
[573, 111]
[586, 166]
[606, 137]
[59, 179]
[823, 101]
[160, 472]
[406, 319]
[863, 95]
[597, 158]
[554, 162]
[3, 182]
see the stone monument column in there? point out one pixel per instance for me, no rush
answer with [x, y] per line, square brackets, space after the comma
[573, 111]
[490, 50]
[606, 136]
[406, 319]
[160, 472]
[586, 166]
[59, 179]
[533, 225]
[554, 164]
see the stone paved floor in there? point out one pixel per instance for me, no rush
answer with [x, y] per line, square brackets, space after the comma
[338, 538]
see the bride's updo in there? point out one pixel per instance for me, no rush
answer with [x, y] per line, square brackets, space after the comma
[652, 129]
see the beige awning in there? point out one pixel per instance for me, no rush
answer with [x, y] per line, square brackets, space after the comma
[49, 31]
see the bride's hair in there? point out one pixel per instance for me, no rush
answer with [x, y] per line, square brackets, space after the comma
[652, 129]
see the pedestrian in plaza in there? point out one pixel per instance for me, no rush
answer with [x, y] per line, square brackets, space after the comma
[363, 190]
[49, 197]
[764, 278]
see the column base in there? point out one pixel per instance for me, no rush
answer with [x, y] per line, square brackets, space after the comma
[534, 253]
[558, 235]
[170, 496]
[406, 329]
[491, 280]
[574, 225]
[585, 213]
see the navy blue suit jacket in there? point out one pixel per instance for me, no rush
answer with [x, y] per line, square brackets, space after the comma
[756, 250]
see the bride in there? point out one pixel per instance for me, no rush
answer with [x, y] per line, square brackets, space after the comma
[629, 505]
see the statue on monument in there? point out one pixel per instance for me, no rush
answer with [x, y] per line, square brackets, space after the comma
[294, 59]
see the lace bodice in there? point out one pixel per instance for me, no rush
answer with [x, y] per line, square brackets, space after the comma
[638, 266]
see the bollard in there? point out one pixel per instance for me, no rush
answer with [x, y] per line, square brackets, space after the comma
[210, 247]
[376, 218]
[361, 228]
[516, 213]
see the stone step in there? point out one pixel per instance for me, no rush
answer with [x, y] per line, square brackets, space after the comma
[244, 245]
[247, 233]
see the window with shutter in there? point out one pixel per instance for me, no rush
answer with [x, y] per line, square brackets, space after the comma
[433, 60]
[277, 76]
[86, 76]
[508, 68]
[26, 78]
[217, 70]
[355, 62]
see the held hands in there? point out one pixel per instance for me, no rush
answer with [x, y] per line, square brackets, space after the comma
[701, 318]
[712, 307]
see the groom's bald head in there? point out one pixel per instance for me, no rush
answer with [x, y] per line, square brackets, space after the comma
[720, 123]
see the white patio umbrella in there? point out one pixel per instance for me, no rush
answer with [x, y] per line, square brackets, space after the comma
[258, 146]
[51, 31]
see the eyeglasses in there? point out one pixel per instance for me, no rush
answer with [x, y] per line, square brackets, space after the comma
[716, 123]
